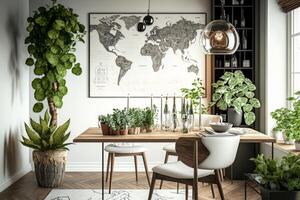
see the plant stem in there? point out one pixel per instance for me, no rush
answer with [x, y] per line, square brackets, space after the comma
[52, 108]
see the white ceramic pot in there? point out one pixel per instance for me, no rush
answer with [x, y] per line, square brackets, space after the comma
[297, 146]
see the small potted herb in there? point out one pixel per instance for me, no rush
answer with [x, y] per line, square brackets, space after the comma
[135, 119]
[235, 93]
[288, 120]
[104, 121]
[279, 179]
[119, 122]
[148, 118]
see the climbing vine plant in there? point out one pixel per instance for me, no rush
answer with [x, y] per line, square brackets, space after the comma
[53, 33]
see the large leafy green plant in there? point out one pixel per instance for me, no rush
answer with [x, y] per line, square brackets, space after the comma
[281, 174]
[53, 33]
[43, 136]
[149, 116]
[135, 117]
[194, 93]
[288, 120]
[118, 120]
[235, 90]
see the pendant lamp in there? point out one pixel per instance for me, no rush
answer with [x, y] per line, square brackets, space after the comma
[220, 37]
[147, 20]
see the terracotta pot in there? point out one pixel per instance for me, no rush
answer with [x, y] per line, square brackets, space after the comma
[123, 132]
[105, 129]
[49, 167]
[113, 132]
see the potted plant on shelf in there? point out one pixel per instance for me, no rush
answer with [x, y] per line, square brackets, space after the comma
[288, 120]
[119, 122]
[104, 121]
[235, 93]
[53, 34]
[148, 118]
[280, 179]
[49, 155]
[135, 118]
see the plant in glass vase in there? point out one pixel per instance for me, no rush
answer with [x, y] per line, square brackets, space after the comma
[53, 33]
[235, 93]
[288, 120]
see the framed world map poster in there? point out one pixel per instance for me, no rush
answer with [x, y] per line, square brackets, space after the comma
[164, 58]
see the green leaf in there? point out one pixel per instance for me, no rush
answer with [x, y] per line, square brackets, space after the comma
[36, 126]
[50, 76]
[31, 49]
[59, 133]
[29, 61]
[35, 138]
[249, 118]
[60, 22]
[63, 89]
[249, 94]
[45, 127]
[55, 49]
[36, 83]
[53, 34]
[38, 107]
[57, 101]
[45, 83]
[46, 117]
[222, 104]
[247, 108]
[216, 97]
[42, 21]
[51, 58]
[39, 95]
[255, 103]
[39, 70]
[76, 70]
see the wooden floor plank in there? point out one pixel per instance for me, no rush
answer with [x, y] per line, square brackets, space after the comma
[27, 189]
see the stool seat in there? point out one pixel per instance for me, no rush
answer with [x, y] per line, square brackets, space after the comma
[170, 148]
[112, 148]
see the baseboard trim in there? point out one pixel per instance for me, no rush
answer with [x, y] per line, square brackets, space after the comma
[15, 178]
[96, 166]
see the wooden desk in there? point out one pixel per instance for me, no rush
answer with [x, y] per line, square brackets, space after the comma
[94, 135]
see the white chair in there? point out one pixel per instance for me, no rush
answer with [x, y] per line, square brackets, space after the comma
[119, 150]
[205, 120]
[214, 153]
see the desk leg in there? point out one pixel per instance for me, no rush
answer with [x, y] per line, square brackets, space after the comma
[245, 192]
[272, 150]
[102, 173]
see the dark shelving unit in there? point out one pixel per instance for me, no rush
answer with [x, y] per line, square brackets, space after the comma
[234, 14]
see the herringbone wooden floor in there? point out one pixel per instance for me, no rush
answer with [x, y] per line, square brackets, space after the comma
[26, 188]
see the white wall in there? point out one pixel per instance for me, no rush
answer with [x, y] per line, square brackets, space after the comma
[83, 110]
[14, 81]
[276, 61]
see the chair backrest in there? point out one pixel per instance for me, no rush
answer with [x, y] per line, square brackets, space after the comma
[206, 119]
[222, 151]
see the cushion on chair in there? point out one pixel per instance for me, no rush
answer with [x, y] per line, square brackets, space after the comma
[170, 148]
[111, 148]
[180, 170]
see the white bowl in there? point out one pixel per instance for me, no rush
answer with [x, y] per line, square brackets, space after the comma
[220, 127]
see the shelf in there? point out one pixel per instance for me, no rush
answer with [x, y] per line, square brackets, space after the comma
[244, 50]
[235, 6]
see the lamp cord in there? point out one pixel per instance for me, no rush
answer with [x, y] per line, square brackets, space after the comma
[222, 9]
[148, 6]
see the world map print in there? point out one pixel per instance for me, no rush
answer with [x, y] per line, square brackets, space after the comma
[164, 58]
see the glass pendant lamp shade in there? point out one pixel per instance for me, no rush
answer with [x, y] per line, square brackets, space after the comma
[220, 36]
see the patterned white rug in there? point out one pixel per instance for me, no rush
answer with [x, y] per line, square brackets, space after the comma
[121, 194]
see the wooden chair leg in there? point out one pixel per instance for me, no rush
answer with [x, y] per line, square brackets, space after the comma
[186, 192]
[166, 160]
[221, 175]
[212, 190]
[146, 167]
[112, 159]
[177, 188]
[152, 186]
[107, 169]
[219, 184]
[136, 169]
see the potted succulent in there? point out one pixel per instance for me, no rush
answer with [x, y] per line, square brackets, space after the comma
[235, 93]
[53, 33]
[119, 122]
[49, 154]
[135, 118]
[288, 120]
[148, 118]
[104, 121]
[279, 179]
